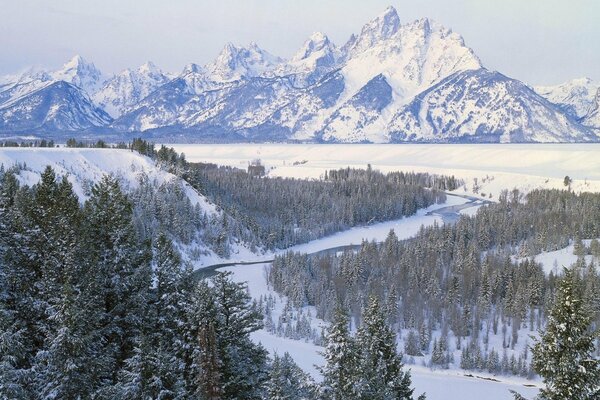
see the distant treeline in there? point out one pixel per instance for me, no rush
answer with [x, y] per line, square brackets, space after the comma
[282, 212]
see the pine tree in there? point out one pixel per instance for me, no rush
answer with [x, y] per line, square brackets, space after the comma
[287, 381]
[121, 278]
[564, 356]
[231, 366]
[341, 360]
[381, 370]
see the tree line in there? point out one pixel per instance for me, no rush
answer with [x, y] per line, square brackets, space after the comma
[282, 212]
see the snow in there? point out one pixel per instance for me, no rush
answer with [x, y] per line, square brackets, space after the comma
[554, 261]
[495, 166]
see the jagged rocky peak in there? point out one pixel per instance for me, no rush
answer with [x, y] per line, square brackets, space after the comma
[383, 27]
[192, 68]
[149, 68]
[235, 62]
[317, 42]
[81, 73]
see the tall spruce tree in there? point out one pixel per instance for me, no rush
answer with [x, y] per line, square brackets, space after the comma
[122, 277]
[230, 365]
[564, 356]
[381, 375]
[341, 360]
[16, 347]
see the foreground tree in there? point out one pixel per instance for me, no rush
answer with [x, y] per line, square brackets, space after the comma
[341, 360]
[230, 365]
[564, 357]
[381, 374]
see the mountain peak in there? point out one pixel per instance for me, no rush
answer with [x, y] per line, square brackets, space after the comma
[191, 68]
[149, 68]
[75, 62]
[317, 42]
[381, 28]
[81, 73]
[235, 62]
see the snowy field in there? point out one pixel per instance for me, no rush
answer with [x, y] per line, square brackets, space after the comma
[554, 261]
[493, 167]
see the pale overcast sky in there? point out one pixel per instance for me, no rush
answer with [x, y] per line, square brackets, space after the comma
[538, 41]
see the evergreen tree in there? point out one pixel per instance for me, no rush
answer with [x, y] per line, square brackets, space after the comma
[341, 360]
[231, 366]
[121, 276]
[287, 381]
[381, 376]
[564, 356]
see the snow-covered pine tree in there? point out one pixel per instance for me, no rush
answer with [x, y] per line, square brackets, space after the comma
[381, 374]
[564, 356]
[122, 277]
[15, 343]
[287, 381]
[230, 365]
[341, 360]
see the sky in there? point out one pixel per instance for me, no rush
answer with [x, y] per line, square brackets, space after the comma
[536, 41]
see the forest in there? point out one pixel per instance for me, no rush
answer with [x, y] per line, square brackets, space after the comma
[94, 307]
[473, 279]
[97, 300]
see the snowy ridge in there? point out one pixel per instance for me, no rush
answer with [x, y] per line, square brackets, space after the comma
[486, 106]
[575, 97]
[129, 87]
[84, 167]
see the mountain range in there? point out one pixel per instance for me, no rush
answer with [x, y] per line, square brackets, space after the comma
[391, 82]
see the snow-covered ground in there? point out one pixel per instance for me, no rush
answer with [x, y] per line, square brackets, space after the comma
[554, 261]
[494, 167]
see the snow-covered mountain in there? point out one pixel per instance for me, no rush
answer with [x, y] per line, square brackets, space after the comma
[57, 106]
[235, 62]
[317, 56]
[364, 91]
[575, 97]
[127, 88]
[484, 106]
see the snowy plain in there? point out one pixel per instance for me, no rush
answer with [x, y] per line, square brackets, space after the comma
[490, 167]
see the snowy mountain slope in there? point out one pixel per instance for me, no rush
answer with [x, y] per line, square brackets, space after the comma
[57, 106]
[84, 167]
[575, 97]
[592, 118]
[481, 105]
[359, 111]
[127, 88]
